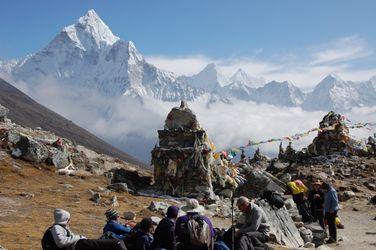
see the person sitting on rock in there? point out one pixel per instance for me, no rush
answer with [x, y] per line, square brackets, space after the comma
[298, 191]
[144, 234]
[255, 230]
[64, 238]
[331, 206]
[113, 226]
[194, 231]
[316, 201]
[164, 236]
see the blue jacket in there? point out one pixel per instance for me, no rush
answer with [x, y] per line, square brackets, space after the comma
[119, 231]
[331, 201]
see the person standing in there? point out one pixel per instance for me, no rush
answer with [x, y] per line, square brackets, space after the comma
[331, 206]
[316, 202]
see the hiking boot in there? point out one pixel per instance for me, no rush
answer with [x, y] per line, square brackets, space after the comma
[340, 226]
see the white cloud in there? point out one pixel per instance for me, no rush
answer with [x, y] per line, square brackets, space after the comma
[304, 71]
[341, 50]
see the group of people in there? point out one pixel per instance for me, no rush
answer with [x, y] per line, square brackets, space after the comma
[193, 230]
[318, 204]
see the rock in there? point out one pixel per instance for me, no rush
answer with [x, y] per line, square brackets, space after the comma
[158, 206]
[373, 200]
[96, 198]
[282, 227]
[67, 186]
[155, 220]
[119, 187]
[227, 193]
[324, 247]
[16, 153]
[309, 245]
[318, 233]
[114, 201]
[355, 209]
[355, 189]
[2, 248]
[135, 179]
[306, 234]
[289, 203]
[370, 186]
[32, 150]
[299, 224]
[59, 158]
[343, 238]
[349, 194]
[129, 215]
[3, 113]
[285, 178]
[27, 195]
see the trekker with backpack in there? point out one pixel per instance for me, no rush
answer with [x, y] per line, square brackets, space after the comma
[331, 206]
[113, 229]
[255, 230]
[193, 230]
[298, 191]
[59, 236]
[164, 236]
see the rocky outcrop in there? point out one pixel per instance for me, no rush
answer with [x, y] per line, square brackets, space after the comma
[282, 228]
[3, 113]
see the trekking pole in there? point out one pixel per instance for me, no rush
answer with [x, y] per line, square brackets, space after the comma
[232, 223]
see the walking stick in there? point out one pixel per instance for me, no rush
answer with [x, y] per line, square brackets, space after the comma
[232, 223]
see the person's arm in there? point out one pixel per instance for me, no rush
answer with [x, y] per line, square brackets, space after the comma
[120, 229]
[332, 202]
[61, 238]
[254, 224]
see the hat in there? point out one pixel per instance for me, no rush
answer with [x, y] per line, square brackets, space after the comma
[129, 215]
[61, 216]
[110, 214]
[193, 207]
[172, 211]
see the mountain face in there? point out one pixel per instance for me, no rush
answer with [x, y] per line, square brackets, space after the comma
[89, 55]
[332, 93]
[242, 78]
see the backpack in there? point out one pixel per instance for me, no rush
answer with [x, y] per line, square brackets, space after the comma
[48, 242]
[274, 199]
[197, 231]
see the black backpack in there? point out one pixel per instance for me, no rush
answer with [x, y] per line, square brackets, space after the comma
[48, 242]
[274, 199]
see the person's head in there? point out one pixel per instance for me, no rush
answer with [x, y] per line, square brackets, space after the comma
[146, 225]
[172, 212]
[243, 204]
[61, 217]
[316, 185]
[112, 214]
[193, 206]
[326, 186]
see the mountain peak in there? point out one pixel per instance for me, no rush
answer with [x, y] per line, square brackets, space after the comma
[90, 31]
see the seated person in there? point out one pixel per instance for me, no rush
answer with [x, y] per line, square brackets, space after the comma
[64, 238]
[164, 236]
[185, 233]
[144, 235]
[255, 230]
[117, 230]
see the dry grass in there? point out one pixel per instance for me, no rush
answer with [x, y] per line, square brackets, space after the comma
[23, 220]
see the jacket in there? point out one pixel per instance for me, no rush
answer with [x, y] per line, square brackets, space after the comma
[331, 203]
[64, 237]
[255, 221]
[164, 236]
[118, 230]
[144, 241]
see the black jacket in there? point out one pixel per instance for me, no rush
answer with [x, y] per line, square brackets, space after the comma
[164, 236]
[318, 202]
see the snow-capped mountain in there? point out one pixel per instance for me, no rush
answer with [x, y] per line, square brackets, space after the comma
[208, 79]
[333, 93]
[242, 78]
[89, 55]
[283, 94]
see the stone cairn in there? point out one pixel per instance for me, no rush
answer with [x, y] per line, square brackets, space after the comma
[182, 159]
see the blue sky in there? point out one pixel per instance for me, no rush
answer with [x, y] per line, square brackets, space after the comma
[273, 39]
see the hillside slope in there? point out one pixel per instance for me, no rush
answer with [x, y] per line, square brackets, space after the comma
[27, 112]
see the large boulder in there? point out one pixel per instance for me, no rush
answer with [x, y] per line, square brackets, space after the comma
[59, 158]
[257, 181]
[3, 113]
[135, 179]
[282, 227]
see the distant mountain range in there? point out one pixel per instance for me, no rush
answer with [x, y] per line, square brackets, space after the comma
[87, 54]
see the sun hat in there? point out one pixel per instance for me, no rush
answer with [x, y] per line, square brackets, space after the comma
[61, 216]
[193, 206]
